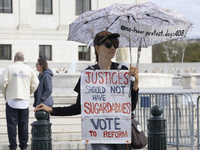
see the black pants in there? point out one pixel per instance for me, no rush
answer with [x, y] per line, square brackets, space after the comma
[16, 117]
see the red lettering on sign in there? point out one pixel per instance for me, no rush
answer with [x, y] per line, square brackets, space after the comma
[115, 134]
[107, 77]
[106, 107]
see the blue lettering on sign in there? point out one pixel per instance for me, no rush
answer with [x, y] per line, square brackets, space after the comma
[106, 123]
[117, 89]
[99, 97]
[117, 123]
[94, 89]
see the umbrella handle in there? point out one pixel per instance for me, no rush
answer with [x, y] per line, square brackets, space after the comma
[128, 17]
[138, 57]
[138, 54]
[130, 50]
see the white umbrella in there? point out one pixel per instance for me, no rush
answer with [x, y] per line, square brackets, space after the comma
[139, 25]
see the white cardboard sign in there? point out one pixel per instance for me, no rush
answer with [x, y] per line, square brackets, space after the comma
[147, 31]
[105, 106]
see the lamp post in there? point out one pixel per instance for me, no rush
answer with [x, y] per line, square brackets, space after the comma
[156, 130]
[41, 132]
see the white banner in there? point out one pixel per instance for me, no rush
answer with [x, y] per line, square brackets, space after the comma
[105, 106]
[141, 30]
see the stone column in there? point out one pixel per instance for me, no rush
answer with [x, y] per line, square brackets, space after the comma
[62, 15]
[24, 14]
[122, 56]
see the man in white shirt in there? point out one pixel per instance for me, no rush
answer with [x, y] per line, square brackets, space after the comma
[17, 82]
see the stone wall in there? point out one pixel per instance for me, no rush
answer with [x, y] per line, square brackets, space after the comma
[154, 75]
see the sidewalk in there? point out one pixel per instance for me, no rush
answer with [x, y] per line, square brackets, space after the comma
[5, 147]
[180, 148]
[173, 148]
[168, 148]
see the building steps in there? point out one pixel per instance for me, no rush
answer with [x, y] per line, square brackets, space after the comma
[66, 130]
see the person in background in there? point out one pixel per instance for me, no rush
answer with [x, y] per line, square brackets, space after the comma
[105, 44]
[17, 82]
[44, 90]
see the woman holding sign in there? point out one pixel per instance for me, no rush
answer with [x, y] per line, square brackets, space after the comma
[105, 44]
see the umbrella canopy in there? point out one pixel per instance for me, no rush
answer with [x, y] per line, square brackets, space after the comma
[146, 24]
[139, 25]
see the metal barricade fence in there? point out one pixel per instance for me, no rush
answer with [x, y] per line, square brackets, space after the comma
[195, 96]
[198, 134]
[178, 111]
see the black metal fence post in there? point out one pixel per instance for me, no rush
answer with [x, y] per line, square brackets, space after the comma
[41, 132]
[156, 130]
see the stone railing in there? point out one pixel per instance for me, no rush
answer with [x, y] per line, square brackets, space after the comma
[158, 74]
[175, 69]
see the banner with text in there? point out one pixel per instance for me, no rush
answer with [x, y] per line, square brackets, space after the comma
[147, 31]
[105, 106]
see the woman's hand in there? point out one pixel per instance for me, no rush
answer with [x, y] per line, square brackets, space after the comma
[134, 72]
[43, 107]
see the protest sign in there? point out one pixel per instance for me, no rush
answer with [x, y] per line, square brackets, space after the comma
[149, 31]
[105, 106]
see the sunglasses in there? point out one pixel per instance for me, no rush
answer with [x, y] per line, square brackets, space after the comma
[109, 45]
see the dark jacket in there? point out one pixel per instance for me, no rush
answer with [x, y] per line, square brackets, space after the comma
[44, 90]
[75, 109]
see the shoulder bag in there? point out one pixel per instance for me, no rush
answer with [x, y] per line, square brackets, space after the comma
[139, 139]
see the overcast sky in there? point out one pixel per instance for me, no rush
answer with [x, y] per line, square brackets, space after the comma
[188, 8]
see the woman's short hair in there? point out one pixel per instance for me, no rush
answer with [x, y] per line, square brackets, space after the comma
[101, 37]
